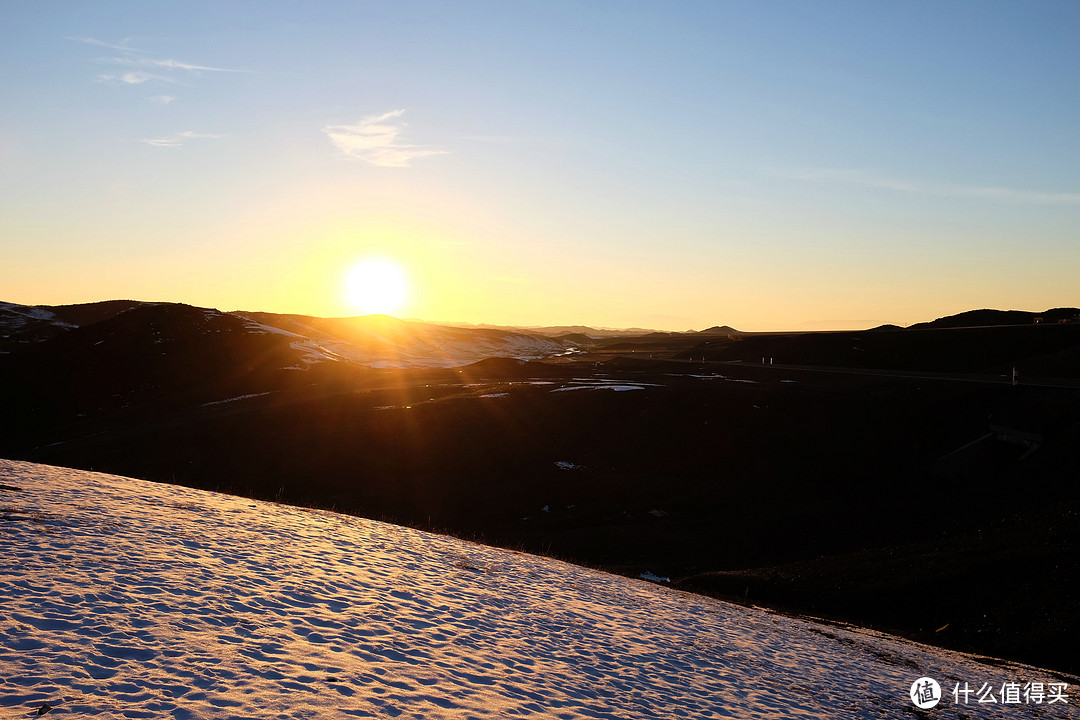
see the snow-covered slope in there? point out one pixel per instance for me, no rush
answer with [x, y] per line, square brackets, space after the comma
[27, 323]
[381, 341]
[123, 598]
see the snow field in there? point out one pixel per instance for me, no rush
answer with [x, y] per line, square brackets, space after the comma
[128, 599]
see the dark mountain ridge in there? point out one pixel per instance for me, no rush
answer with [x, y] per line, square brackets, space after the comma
[981, 318]
[1044, 350]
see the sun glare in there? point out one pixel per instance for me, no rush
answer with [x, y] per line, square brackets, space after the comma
[376, 285]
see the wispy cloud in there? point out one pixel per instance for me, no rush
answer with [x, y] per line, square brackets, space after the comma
[122, 46]
[135, 78]
[170, 64]
[376, 141]
[148, 65]
[871, 180]
[139, 68]
[132, 78]
[178, 139]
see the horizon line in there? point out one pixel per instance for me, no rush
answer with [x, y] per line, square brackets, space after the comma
[533, 326]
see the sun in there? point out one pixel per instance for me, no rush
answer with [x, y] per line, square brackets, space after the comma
[376, 286]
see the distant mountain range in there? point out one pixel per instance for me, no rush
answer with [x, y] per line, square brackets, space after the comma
[559, 331]
[988, 342]
[89, 335]
[299, 341]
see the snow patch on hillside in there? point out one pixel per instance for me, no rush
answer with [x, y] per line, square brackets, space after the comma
[403, 344]
[29, 312]
[125, 598]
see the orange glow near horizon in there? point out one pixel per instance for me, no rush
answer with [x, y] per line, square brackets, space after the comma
[465, 265]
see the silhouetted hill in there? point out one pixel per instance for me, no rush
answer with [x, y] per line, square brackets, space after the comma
[553, 330]
[149, 352]
[1048, 350]
[89, 313]
[980, 318]
[577, 339]
[591, 332]
[26, 324]
[372, 340]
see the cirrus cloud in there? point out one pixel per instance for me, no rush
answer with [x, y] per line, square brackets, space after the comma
[376, 140]
[132, 78]
[178, 139]
[169, 64]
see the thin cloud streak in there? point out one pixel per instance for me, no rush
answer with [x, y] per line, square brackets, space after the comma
[375, 140]
[169, 64]
[137, 67]
[864, 179]
[178, 139]
[122, 46]
[132, 78]
[134, 57]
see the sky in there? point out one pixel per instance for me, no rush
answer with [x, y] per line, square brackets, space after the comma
[766, 165]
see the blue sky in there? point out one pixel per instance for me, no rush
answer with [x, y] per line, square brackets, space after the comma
[772, 165]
